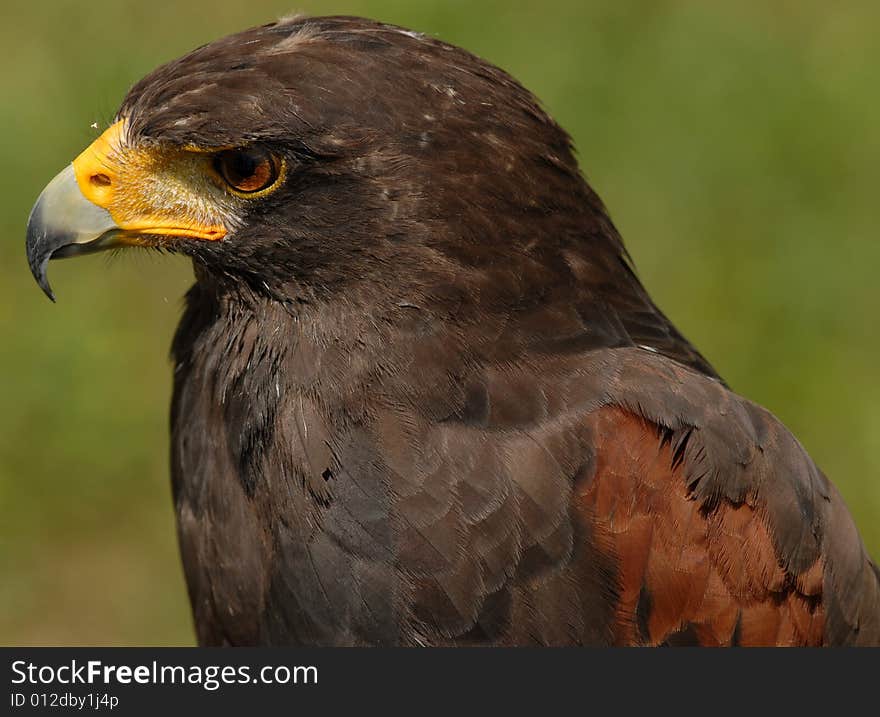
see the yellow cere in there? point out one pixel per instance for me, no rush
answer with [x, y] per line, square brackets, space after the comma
[154, 190]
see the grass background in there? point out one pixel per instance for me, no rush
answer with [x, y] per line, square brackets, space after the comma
[737, 146]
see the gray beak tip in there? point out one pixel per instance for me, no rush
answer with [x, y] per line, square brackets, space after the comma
[63, 223]
[38, 259]
[47, 290]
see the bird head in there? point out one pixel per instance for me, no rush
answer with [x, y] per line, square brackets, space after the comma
[306, 156]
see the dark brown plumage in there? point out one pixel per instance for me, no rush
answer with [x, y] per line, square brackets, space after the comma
[421, 397]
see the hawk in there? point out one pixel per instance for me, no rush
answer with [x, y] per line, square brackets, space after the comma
[420, 395]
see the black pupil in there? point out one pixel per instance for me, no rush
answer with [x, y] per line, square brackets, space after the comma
[242, 165]
[248, 170]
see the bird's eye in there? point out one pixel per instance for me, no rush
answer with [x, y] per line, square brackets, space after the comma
[247, 170]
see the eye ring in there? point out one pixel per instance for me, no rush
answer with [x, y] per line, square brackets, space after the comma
[248, 170]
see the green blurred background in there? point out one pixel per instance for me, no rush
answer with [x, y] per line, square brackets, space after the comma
[737, 146]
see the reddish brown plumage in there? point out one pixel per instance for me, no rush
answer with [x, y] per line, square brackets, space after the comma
[708, 575]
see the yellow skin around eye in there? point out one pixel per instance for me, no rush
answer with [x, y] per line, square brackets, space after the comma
[157, 190]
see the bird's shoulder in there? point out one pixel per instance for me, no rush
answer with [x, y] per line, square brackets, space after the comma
[723, 527]
[488, 461]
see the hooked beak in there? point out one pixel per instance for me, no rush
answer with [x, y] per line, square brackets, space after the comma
[64, 223]
[114, 194]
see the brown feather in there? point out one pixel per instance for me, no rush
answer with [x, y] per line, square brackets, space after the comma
[421, 397]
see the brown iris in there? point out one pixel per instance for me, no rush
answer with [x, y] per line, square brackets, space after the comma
[247, 170]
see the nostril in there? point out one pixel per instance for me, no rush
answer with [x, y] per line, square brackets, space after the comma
[100, 180]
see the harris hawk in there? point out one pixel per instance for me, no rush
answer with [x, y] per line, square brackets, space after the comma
[420, 395]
